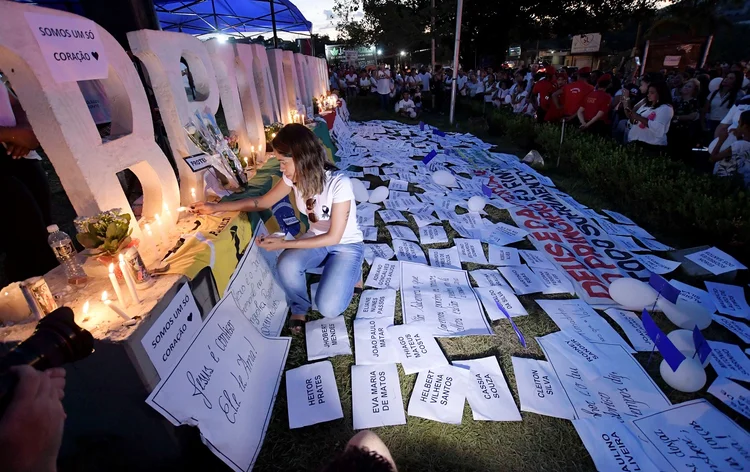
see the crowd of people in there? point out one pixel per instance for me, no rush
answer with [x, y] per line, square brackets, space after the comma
[694, 115]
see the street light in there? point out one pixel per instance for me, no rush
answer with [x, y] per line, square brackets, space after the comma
[380, 51]
[403, 53]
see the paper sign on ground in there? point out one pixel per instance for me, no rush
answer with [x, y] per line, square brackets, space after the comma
[740, 329]
[384, 274]
[612, 445]
[398, 185]
[470, 250]
[694, 295]
[487, 391]
[632, 325]
[522, 279]
[402, 232]
[432, 235]
[655, 245]
[327, 337]
[729, 361]
[424, 219]
[439, 395]
[365, 219]
[554, 281]
[226, 384]
[311, 395]
[445, 258]
[372, 344]
[169, 337]
[376, 396]
[489, 278]
[407, 251]
[391, 216]
[417, 348]
[619, 217]
[503, 256]
[443, 299]
[374, 251]
[369, 233]
[695, 436]
[729, 299]
[715, 261]
[731, 394]
[657, 264]
[377, 304]
[539, 389]
[491, 296]
[536, 259]
[577, 316]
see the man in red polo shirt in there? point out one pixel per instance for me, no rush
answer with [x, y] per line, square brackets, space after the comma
[541, 93]
[594, 111]
[573, 94]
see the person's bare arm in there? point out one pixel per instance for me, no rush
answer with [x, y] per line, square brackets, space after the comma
[722, 131]
[579, 113]
[717, 155]
[339, 218]
[264, 202]
[556, 98]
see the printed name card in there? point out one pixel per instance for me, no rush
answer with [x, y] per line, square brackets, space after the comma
[694, 295]
[372, 343]
[384, 274]
[539, 389]
[612, 445]
[391, 216]
[327, 337]
[423, 219]
[732, 395]
[374, 251]
[402, 232]
[522, 279]
[488, 393]
[376, 396]
[632, 325]
[311, 395]
[432, 235]
[729, 299]
[489, 278]
[439, 395]
[740, 329]
[715, 261]
[470, 250]
[377, 304]
[408, 251]
[536, 259]
[503, 256]
[554, 281]
[729, 361]
[417, 349]
[445, 258]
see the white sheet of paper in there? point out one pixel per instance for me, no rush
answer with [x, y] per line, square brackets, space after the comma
[489, 278]
[638, 232]
[731, 394]
[470, 250]
[522, 279]
[619, 217]
[402, 232]
[540, 390]
[612, 445]
[503, 256]
[398, 185]
[230, 401]
[693, 294]
[439, 394]
[365, 219]
[424, 219]
[657, 264]
[371, 170]
[740, 329]
[311, 395]
[372, 343]
[169, 337]
[432, 235]
[369, 233]
[327, 337]
[491, 296]
[729, 361]
[417, 348]
[715, 261]
[376, 396]
[377, 304]
[487, 391]
[445, 258]
[729, 299]
[632, 325]
[627, 243]
[384, 274]
[374, 251]
[407, 251]
[655, 245]
[554, 280]
[695, 436]
[536, 259]
[391, 216]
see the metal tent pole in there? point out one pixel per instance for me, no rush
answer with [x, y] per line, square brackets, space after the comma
[455, 58]
[273, 24]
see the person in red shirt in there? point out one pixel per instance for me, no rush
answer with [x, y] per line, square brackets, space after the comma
[594, 111]
[553, 113]
[573, 94]
[541, 93]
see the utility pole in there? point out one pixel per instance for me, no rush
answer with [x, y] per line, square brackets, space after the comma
[432, 33]
[459, 14]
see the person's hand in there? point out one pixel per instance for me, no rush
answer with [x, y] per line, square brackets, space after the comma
[584, 126]
[23, 137]
[16, 151]
[203, 208]
[31, 428]
[272, 243]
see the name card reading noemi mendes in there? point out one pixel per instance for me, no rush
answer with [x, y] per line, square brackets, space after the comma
[225, 384]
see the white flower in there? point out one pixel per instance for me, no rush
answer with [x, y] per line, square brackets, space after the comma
[191, 130]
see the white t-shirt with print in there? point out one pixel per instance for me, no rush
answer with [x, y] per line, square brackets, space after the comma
[655, 131]
[383, 81]
[337, 189]
[733, 120]
[737, 163]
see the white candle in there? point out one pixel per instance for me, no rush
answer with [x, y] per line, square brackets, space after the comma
[246, 162]
[86, 308]
[114, 307]
[192, 194]
[115, 283]
[302, 120]
[129, 280]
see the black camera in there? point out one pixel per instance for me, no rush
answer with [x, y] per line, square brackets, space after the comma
[57, 340]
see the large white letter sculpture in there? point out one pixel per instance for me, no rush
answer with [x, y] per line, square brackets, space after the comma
[255, 57]
[87, 167]
[161, 51]
[304, 79]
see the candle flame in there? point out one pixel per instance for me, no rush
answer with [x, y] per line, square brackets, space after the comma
[104, 296]
[148, 229]
[122, 258]
[112, 267]
[86, 308]
[157, 218]
[273, 135]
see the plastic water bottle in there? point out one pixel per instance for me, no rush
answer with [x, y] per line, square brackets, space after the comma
[66, 253]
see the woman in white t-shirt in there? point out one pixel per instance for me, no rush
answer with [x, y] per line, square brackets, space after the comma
[650, 123]
[326, 196]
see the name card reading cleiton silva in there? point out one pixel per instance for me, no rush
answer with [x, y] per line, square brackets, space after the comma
[540, 390]
[311, 395]
[439, 394]
[71, 46]
[170, 335]
[417, 349]
[376, 396]
[488, 393]
[327, 337]
[226, 384]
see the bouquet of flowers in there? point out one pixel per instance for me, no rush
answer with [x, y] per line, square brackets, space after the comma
[106, 233]
[204, 132]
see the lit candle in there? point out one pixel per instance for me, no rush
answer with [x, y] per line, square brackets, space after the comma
[167, 213]
[115, 283]
[160, 228]
[86, 309]
[192, 194]
[114, 307]
[273, 135]
[129, 280]
[246, 162]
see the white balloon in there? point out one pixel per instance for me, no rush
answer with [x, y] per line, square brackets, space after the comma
[685, 314]
[689, 376]
[714, 84]
[683, 341]
[360, 192]
[477, 203]
[632, 293]
[443, 177]
[379, 194]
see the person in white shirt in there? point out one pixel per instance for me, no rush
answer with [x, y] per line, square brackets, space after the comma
[364, 84]
[721, 100]
[406, 106]
[333, 236]
[383, 78]
[411, 81]
[425, 78]
[351, 83]
[461, 82]
[650, 123]
[735, 160]
[490, 89]
[476, 88]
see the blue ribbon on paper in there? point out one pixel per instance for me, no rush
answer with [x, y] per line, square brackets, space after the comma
[701, 346]
[438, 132]
[487, 191]
[521, 339]
[430, 156]
[421, 126]
[664, 288]
[669, 351]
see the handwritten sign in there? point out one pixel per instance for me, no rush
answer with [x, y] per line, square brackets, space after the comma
[311, 395]
[488, 393]
[226, 384]
[578, 317]
[439, 394]
[170, 335]
[71, 46]
[540, 390]
[376, 396]
[326, 337]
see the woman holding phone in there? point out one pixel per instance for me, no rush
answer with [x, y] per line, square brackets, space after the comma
[333, 236]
